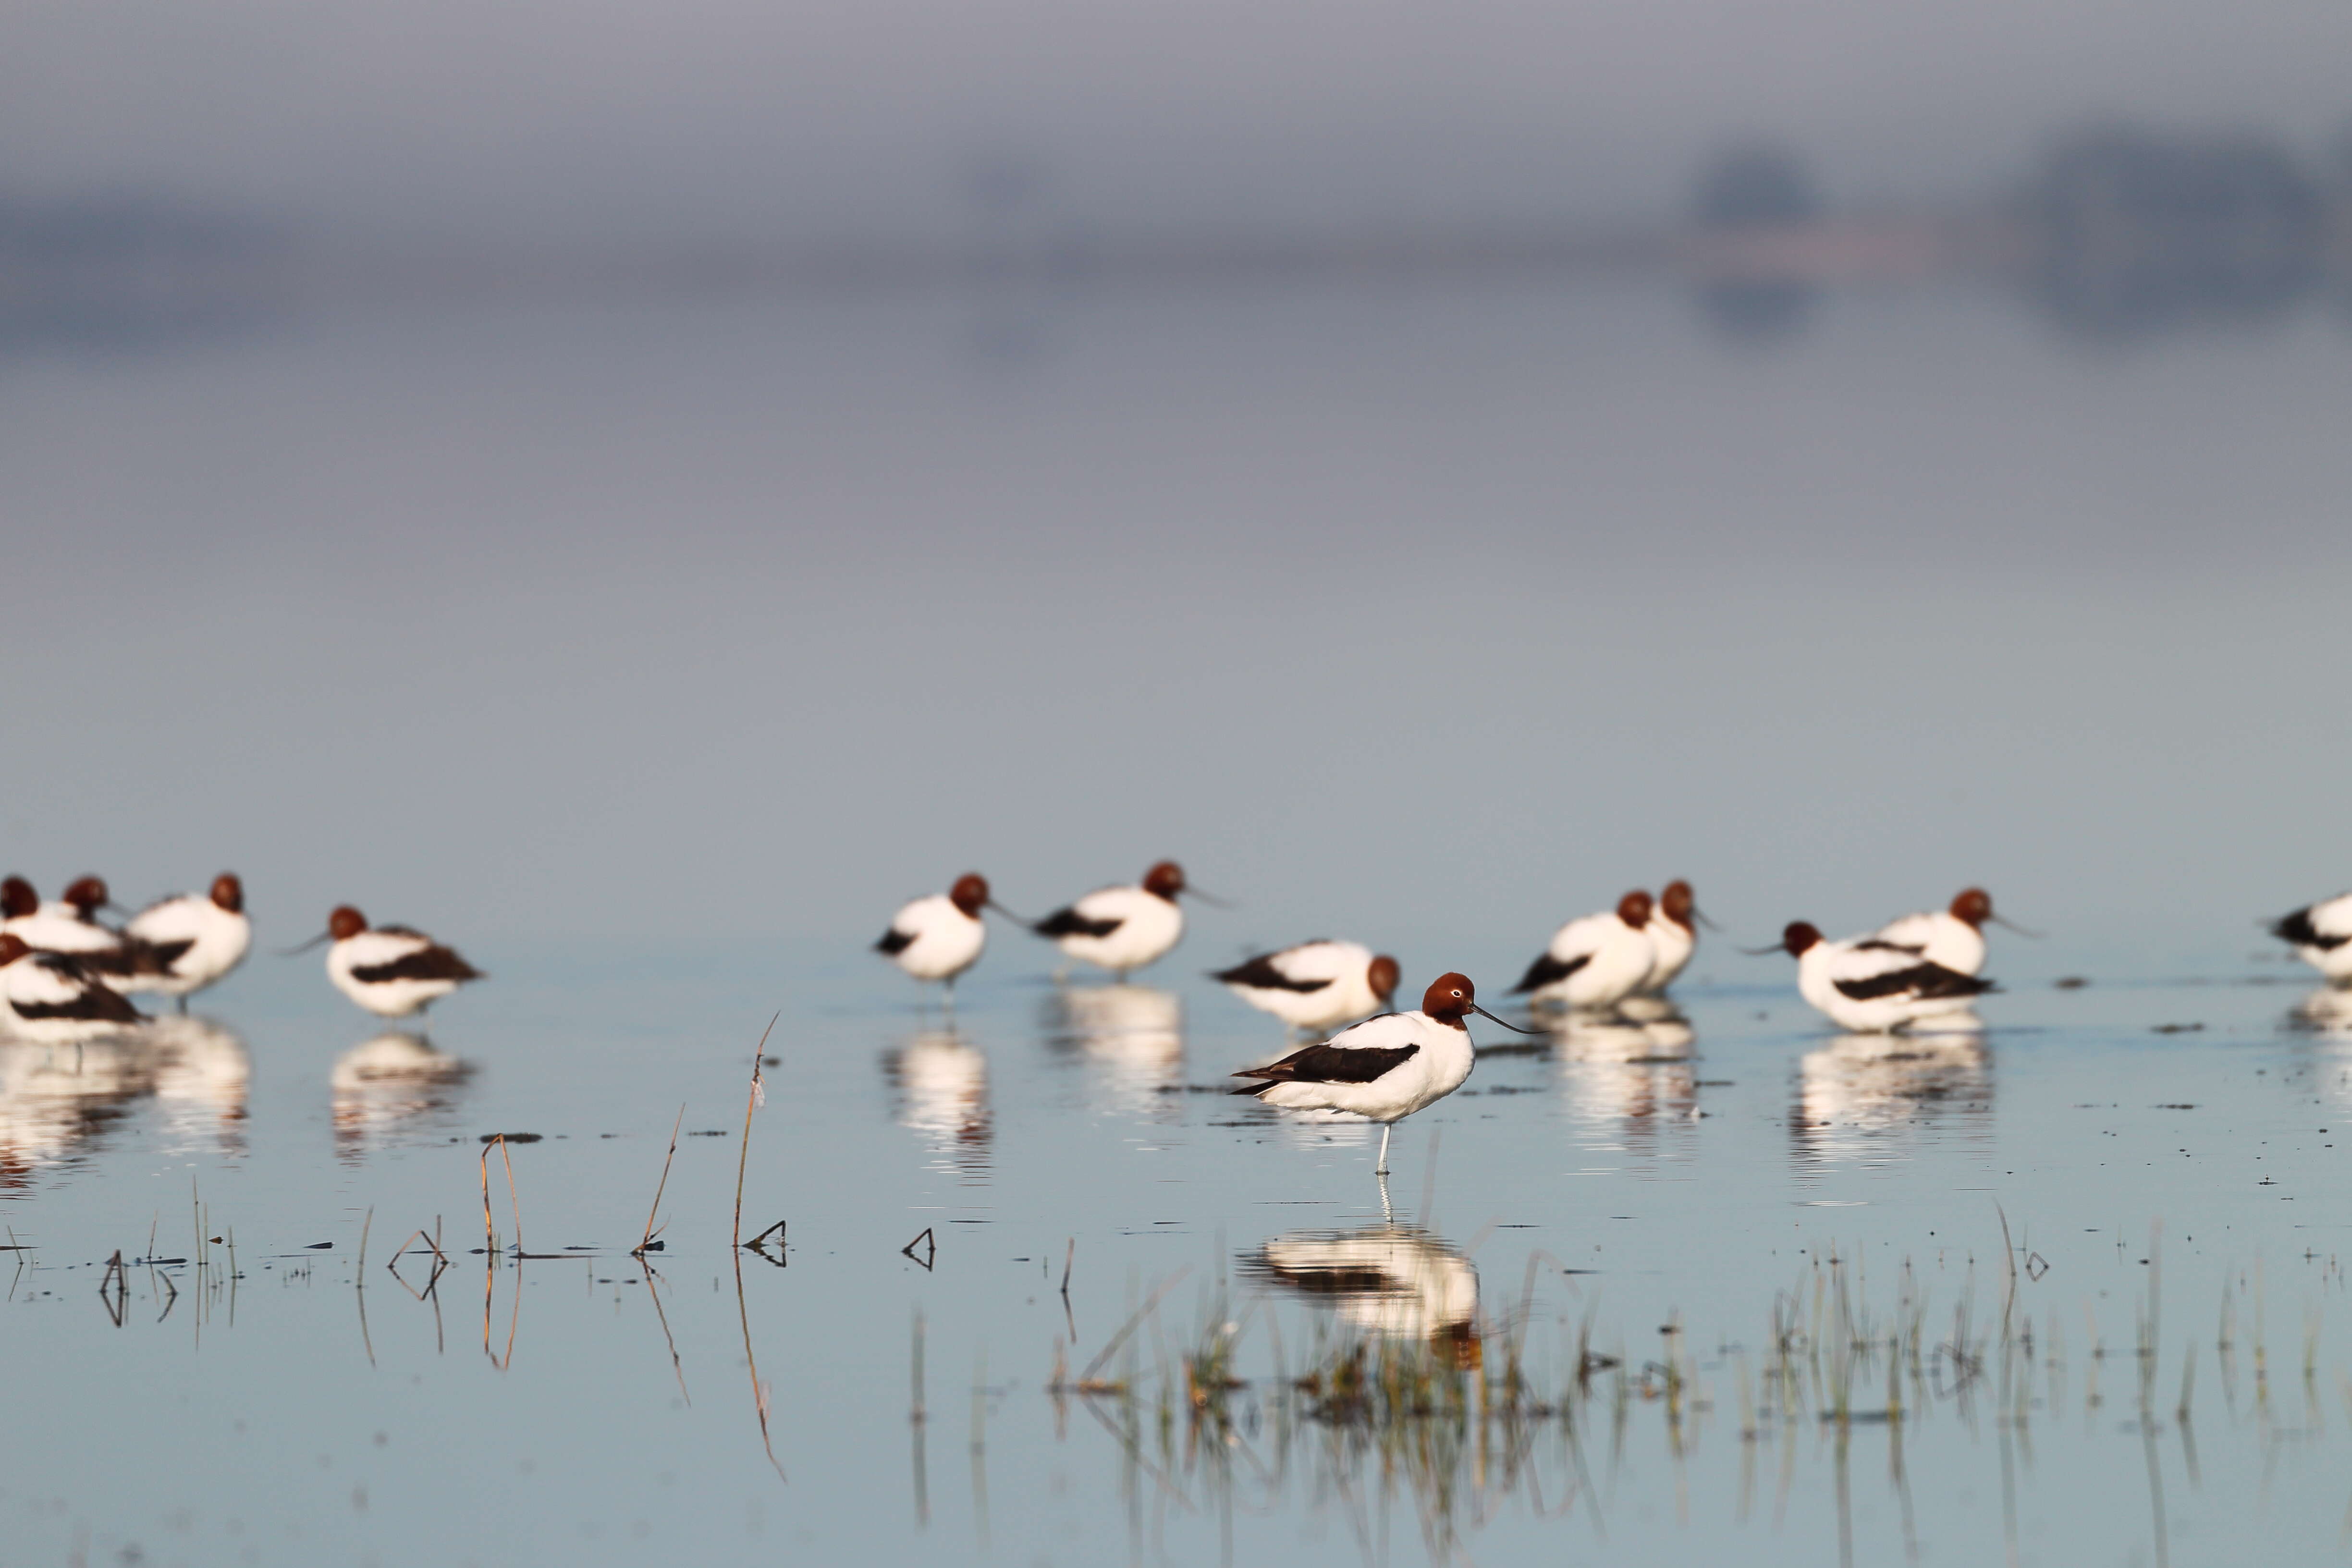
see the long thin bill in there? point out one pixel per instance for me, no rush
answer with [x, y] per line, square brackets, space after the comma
[296, 952]
[1492, 1019]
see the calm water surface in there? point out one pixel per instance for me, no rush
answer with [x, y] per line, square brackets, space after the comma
[1722, 1220]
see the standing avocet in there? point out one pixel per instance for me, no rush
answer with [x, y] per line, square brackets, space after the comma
[1595, 960]
[1674, 937]
[68, 924]
[391, 970]
[56, 996]
[1123, 929]
[197, 938]
[1870, 986]
[1952, 937]
[940, 937]
[2321, 935]
[1317, 985]
[1384, 1068]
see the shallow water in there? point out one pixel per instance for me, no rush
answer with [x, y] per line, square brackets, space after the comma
[2161, 1153]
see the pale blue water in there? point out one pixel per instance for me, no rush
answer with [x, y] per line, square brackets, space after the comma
[290, 1417]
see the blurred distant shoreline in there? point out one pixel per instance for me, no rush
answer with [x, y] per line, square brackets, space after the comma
[2118, 232]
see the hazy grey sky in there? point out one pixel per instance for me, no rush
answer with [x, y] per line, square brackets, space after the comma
[537, 116]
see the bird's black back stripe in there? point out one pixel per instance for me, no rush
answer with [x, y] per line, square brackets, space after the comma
[135, 957]
[93, 1004]
[1879, 944]
[2297, 928]
[894, 941]
[1333, 1064]
[1923, 980]
[1259, 973]
[429, 964]
[1069, 923]
[1548, 971]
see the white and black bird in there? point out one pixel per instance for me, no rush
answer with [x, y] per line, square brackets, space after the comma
[195, 939]
[1125, 928]
[1674, 937]
[1594, 962]
[2321, 935]
[1384, 1068]
[70, 924]
[56, 997]
[940, 937]
[391, 970]
[1390, 1281]
[1952, 937]
[1870, 986]
[1317, 984]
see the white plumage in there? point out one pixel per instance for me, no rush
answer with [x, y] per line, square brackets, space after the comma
[1869, 986]
[940, 937]
[214, 927]
[1384, 1068]
[53, 996]
[391, 970]
[1595, 960]
[2321, 935]
[1673, 938]
[1317, 985]
[1390, 1281]
[61, 925]
[1125, 928]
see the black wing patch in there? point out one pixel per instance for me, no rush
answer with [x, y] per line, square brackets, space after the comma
[2297, 928]
[426, 964]
[1259, 973]
[1328, 1064]
[136, 957]
[1069, 923]
[1547, 969]
[94, 1003]
[1922, 980]
[1878, 944]
[894, 941]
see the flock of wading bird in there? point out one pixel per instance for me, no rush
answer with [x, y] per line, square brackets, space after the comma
[1920, 972]
[66, 974]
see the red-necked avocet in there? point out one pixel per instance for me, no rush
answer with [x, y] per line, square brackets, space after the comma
[69, 924]
[1595, 960]
[197, 938]
[391, 970]
[1952, 937]
[2321, 935]
[940, 937]
[1317, 984]
[1123, 929]
[1384, 1068]
[1674, 937]
[56, 995]
[1872, 987]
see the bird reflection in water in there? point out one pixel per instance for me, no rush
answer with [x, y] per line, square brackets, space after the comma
[1132, 1036]
[55, 1097]
[1386, 1282]
[392, 1079]
[941, 1080]
[2327, 1015]
[1639, 1075]
[1857, 1095]
[204, 1074]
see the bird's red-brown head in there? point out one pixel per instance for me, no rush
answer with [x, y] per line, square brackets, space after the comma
[1382, 974]
[1677, 901]
[12, 948]
[969, 894]
[1800, 936]
[88, 896]
[1164, 880]
[1633, 909]
[1972, 906]
[228, 893]
[18, 898]
[346, 923]
[1450, 999]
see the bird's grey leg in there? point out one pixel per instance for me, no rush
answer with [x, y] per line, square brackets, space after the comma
[1382, 1168]
[946, 999]
[1388, 1210]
